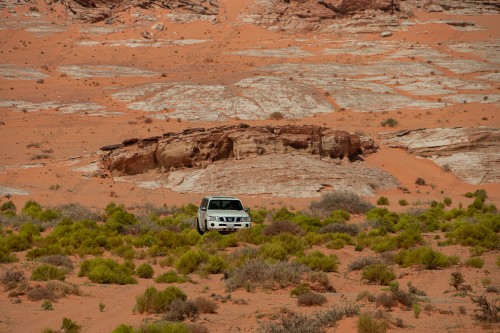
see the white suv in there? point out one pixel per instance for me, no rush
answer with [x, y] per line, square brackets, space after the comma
[222, 214]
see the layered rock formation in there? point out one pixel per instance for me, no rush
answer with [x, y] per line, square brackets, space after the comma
[473, 154]
[197, 148]
[98, 10]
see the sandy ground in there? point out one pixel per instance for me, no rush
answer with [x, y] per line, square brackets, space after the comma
[71, 141]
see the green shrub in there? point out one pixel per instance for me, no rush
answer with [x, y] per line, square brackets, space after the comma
[319, 261]
[300, 290]
[273, 251]
[345, 200]
[189, 261]
[281, 226]
[368, 324]
[378, 274]
[166, 327]
[483, 233]
[475, 262]
[122, 328]
[154, 301]
[106, 271]
[382, 217]
[170, 277]
[383, 201]
[8, 206]
[69, 326]
[34, 210]
[216, 265]
[47, 305]
[403, 202]
[144, 271]
[258, 216]
[48, 272]
[425, 256]
[391, 122]
[447, 201]
[283, 214]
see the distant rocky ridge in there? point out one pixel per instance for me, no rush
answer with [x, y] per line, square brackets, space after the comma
[99, 10]
[199, 147]
[472, 154]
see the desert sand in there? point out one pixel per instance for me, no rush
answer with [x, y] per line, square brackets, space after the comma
[69, 87]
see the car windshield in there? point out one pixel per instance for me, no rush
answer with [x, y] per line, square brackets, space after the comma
[225, 205]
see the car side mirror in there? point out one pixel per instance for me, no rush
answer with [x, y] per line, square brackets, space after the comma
[203, 209]
[247, 209]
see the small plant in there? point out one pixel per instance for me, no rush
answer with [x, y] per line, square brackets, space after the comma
[475, 262]
[154, 301]
[69, 326]
[319, 261]
[105, 271]
[391, 122]
[299, 290]
[420, 181]
[102, 306]
[447, 201]
[310, 299]
[205, 305]
[345, 200]
[276, 115]
[368, 324]
[378, 274]
[403, 202]
[48, 272]
[170, 277]
[181, 310]
[383, 201]
[47, 305]
[416, 309]
[457, 279]
[144, 271]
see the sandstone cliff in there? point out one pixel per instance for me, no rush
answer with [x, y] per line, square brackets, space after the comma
[197, 148]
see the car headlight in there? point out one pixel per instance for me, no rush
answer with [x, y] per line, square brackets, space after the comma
[212, 218]
[245, 219]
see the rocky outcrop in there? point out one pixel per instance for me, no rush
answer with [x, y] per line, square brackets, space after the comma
[197, 148]
[98, 10]
[473, 154]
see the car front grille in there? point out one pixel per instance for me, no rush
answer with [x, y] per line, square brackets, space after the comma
[230, 219]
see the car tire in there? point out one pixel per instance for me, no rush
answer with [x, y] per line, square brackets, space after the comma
[199, 228]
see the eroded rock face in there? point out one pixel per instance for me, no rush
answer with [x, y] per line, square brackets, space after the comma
[98, 10]
[197, 148]
[473, 154]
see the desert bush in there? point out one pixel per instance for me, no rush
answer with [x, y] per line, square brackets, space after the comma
[382, 217]
[483, 233]
[292, 322]
[154, 301]
[205, 305]
[62, 289]
[57, 260]
[47, 305]
[273, 251]
[345, 200]
[420, 181]
[276, 115]
[144, 271]
[216, 265]
[391, 122]
[474, 262]
[311, 299]
[189, 261]
[487, 311]
[382, 201]
[300, 290]
[47, 272]
[106, 271]
[69, 326]
[424, 256]
[350, 229]
[258, 272]
[258, 216]
[362, 262]
[281, 226]
[403, 202]
[11, 277]
[317, 260]
[8, 206]
[157, 327]
[330, 317]
[170, 277]
[368, 324]
[35, 210]
[180, 310]
[386, 300]
[77, 212]
[447, 201]
[456, 280]
[378, 274]
[293, 244]
[365, 294]
[38, 293]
